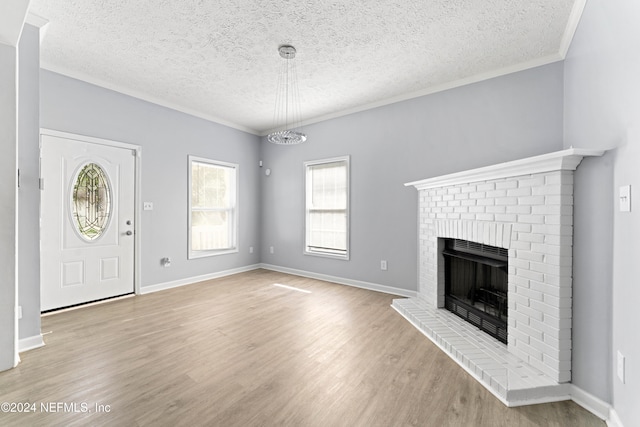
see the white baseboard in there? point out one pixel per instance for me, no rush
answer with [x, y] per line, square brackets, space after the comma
[613, 420]
[595, 405]
[342, 281]
[191, 280]
[29, 343]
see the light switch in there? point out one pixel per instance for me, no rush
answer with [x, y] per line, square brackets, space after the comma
[625, 198]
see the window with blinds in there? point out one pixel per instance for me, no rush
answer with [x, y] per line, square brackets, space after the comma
[327, 207]
[213, 208]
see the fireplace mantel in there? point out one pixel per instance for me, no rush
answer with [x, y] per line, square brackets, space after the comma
[559, 160]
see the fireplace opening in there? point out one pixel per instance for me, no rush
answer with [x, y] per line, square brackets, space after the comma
[475, 283]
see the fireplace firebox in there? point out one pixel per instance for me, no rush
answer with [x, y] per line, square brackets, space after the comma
[476, 287]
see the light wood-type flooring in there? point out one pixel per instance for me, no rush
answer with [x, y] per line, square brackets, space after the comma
[239, 351]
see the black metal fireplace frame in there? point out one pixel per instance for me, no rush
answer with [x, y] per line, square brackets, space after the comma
[482, 254]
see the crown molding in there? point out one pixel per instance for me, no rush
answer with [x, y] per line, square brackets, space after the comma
[36, 20]
[572, 27]
[12, 17]
[476, 78]
[144, 97]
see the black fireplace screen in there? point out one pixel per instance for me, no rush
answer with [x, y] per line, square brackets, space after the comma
[476, 284]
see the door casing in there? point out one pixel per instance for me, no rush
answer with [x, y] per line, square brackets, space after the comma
[137, 165]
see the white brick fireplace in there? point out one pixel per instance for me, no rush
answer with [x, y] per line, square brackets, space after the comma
[526, 207]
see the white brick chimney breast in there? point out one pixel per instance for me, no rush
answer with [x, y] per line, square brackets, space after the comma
[526, 207]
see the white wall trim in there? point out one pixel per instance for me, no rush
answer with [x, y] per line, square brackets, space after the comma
[589, 402]
[90, 139]
[342, 281]
[595, 405]
[572, 26]
[339, 280]
[465, 81]
[137, 273]
[12, 22]
[613, 420]
[143, 96]
[30, 343]
[36, 20]
[191, 280]
[538, 62]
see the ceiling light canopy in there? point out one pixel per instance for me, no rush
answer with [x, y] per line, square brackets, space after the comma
[286, 113]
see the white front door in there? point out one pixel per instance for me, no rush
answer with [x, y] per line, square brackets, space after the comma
[87, 221]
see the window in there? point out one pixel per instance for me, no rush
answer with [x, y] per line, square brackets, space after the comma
[91, 202]
[327, 207]
[213, 207]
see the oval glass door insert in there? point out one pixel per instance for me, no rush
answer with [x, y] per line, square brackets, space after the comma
[91, 202]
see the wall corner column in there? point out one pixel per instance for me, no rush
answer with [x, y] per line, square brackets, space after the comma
[8, 206]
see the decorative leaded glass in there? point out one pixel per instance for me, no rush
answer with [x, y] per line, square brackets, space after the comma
[91, 202]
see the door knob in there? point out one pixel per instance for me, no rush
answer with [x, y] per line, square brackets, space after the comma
[129, 233]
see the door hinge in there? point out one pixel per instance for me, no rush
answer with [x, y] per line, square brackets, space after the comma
[18, 178]
[41, 183]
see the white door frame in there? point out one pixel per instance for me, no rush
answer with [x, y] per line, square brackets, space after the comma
[137, 213]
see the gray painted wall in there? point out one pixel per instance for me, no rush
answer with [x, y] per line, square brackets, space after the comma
[29, 193]
[602, 110]
[592, 269]
[8, 205]
[167, 137]
[501, 119]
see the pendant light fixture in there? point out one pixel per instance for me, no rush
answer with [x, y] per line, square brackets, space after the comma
[286, 114]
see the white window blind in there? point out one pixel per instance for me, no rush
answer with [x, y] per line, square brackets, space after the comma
[327, 207]
[212, 207]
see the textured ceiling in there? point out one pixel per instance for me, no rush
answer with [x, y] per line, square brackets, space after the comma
[219, 59]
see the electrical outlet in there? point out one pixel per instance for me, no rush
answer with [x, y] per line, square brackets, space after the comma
[383, 265]
[147, 206]
[250, 249]
[621, 367]
[271, 250]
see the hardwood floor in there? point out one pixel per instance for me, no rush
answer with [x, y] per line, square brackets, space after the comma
[239, 351]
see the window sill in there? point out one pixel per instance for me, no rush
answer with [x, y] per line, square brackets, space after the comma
[205, 254]
[327, 255]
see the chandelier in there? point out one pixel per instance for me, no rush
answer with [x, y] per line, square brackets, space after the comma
[286, 114]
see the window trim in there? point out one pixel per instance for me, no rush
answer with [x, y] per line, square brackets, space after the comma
[327, 254]
[191, 254]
